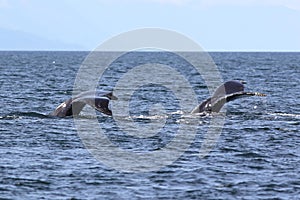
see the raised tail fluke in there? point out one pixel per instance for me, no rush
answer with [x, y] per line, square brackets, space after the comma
[229, 91]
[218, 104]
[99, 100]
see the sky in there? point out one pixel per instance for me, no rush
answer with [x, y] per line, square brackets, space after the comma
[216, 25]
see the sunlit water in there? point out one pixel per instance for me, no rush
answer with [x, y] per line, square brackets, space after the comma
[256, 156]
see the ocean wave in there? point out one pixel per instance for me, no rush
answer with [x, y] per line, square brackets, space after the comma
[20, 115]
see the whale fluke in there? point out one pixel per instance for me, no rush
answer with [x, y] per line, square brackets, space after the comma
[229, 91]
[99, 100]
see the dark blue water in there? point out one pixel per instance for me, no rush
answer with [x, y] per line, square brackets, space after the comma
[257, 155]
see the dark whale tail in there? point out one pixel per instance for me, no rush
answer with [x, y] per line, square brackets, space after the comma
[229, 91]
[96, 99]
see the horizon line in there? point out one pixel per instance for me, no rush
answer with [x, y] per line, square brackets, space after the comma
[82, 50]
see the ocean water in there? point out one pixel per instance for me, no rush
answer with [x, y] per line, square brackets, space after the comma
[256, 156]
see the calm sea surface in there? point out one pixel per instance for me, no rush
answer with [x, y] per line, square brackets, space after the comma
[257, 155]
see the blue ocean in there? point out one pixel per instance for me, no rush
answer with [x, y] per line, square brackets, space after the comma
[255, 156]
